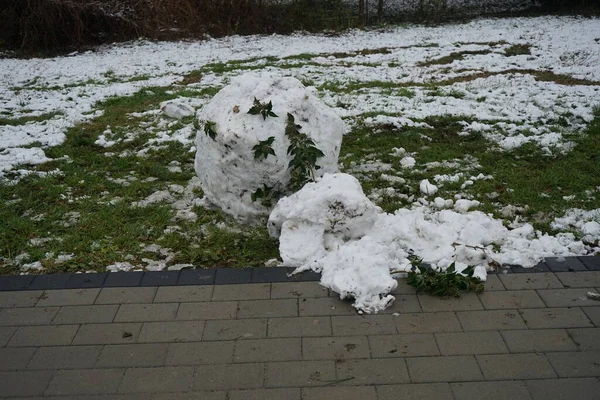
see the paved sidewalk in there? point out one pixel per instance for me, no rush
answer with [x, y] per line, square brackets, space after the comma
[528, 336]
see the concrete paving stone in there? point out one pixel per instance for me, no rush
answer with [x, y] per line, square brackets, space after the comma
[126, 295]
[352, 325]
[299, 326]
[564, 264]
[207, 310]
[84, 381]
[294, 290]
[380, 371]
[346, 393]
[466, 343]
[540, 340]
[268, 308]
[504, 390]
[253, 291]
[299, 373]
[204, 395]
[261, 350]
[466, 302]
[593, 313]
[24, 383]
[325, 307]
[68, 297]
[415, 391]
[404, 303]
[197, 353]
[235, 329]
[567, 297]
[146, 312]
[335, 348]
[173, 331]
[493, 283]
[443, 369]
[403, 288]
[15, 358]
[86, 314]
[555, 318]
[542, 280]
[427, 322]
[132, 355]
[586, 338]
[181, 294]
[591, 263]
[265, 394]
[156, 380]
[490, 320]
[511, 299]
[55, 335]
[65, 357]
[564, 389]
[107, 333]
[27, 316]
[515, 366]
[6, 332]
[404, 345]
[25, 298]
[579, 279]
[575, 364]
[229, 376]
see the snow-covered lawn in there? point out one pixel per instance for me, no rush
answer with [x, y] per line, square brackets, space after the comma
[462, 130]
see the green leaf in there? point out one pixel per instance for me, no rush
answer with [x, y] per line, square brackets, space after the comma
[210, 129]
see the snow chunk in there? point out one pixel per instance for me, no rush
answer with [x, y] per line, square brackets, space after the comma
[176, 110]
[427, 188]
[408, 162]
[463, 205]
[162, 196]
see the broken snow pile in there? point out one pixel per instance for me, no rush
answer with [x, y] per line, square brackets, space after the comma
[331, 227]
[225, 161]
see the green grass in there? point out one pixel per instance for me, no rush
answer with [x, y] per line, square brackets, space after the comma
[27, 119]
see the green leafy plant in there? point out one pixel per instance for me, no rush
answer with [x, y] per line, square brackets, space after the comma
[264, 109]
[444, 283]
[304, 154]
[210, 128]
[263, 149]
[264, 194]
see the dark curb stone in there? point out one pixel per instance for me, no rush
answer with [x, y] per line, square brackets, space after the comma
[228, 276]
[86, 281]
[197, 277]
[160, 278]
[271, 274]
[540, 267]
[569, 264]
[592, 263]
[124, 279]
[16, 282]
[306, 276]
[49, 281]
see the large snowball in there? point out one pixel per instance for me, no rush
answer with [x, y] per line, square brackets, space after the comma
[226, 166]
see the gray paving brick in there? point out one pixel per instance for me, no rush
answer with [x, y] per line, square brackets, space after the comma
[443, 369]
[299, 373]
[403, 345]
[156, 380]
[564, 264]
[235, 329]
[593, 313]
[346, 393]
[260, 350]
[404, 303]
[181, 294]
[24, 298]
[351, 325]
[299, 326]
[204, 395]
[68, 297]
[526, 341]
[265, 394]
[325, 306]
[493, 283]
[126, 295]
[335, 348]
[27, 316]
[403, 288]
[146, 312]
[555, 318]
[466, 302]
[415, 391]
[490, 320]
[586, 338]
[173, 331]
[6, 332]
[511, 299]
[24, 383]
[268, 308]
[197, 353]
[427, 322]
[575, 364]
[84, 381]
[581, 279]
[229, 376]
[543, 280]
[564, 389]
[515, 366]
[251, 291]
[86, 314]
[107, 333]
[503, 390]
[65, 357]
[294, 290]
[15, 358]
[207, 310]
[465, 343]
[55, 335]
[132, 355]
[566, 297]
[381, 371]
